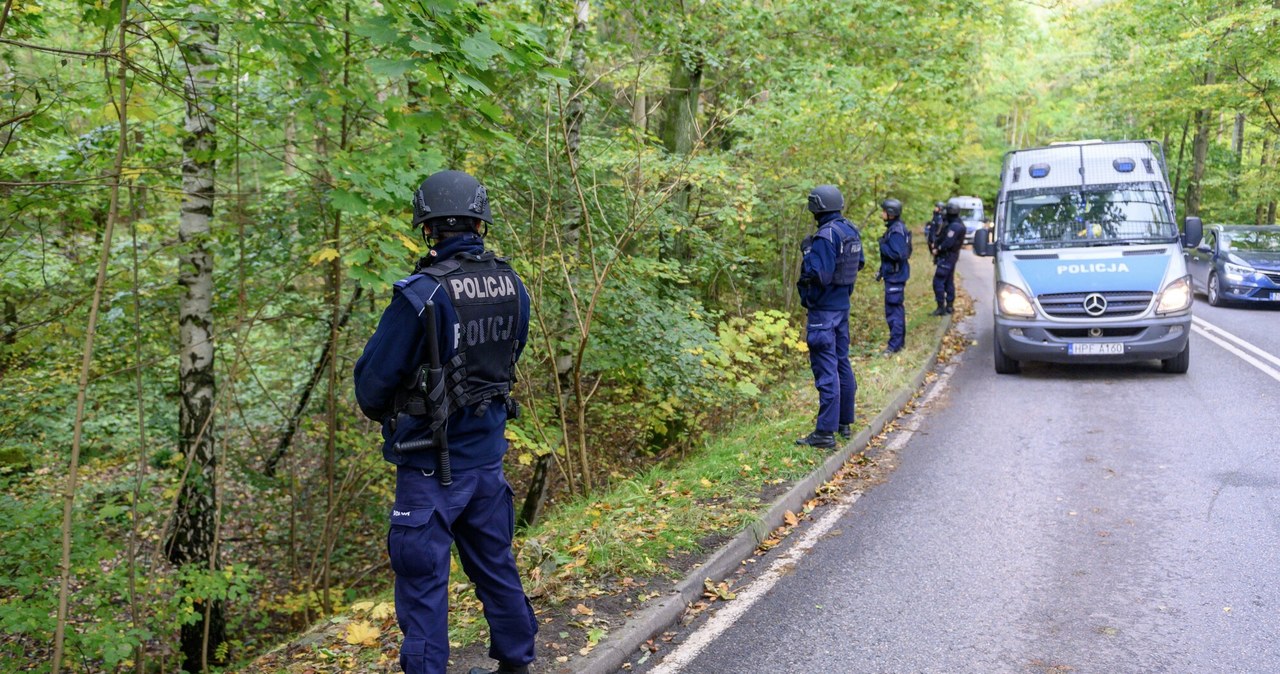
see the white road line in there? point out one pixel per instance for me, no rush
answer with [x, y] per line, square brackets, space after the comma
[1266, 369]
[685, 654]
[1239, 341]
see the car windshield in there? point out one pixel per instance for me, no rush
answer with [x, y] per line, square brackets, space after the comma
[1258, 239]
[1096, 216]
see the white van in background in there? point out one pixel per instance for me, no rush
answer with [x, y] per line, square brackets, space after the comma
[1088, 258]
[970, 214]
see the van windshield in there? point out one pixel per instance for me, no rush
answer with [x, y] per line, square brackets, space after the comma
[1099, 215]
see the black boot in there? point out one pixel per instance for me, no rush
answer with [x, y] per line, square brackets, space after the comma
[503, 668]
[818, 439]
[940, 311]
[845, 431]
[949, 308]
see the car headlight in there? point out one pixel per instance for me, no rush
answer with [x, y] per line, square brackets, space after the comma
[1175, 297]
[1237, 272]
[1013, 302]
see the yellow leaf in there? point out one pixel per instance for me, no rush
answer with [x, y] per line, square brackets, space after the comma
[412, 245]
[362, 633]
[582, 609]
[324, 256]
[704, 482]
[383, 611]
[362, 606]
[791, 518]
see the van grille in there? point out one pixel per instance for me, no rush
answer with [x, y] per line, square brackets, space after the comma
[1274, 276]
[1119, 304]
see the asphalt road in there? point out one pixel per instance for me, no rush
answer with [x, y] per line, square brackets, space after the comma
[1069, 519]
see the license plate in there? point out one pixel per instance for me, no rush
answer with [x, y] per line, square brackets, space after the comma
[1275, 296]
[1098, 349]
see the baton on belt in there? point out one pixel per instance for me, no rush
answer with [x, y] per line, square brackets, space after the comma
[431, 385]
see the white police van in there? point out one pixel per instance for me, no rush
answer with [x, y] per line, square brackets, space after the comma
[970, 214]
[1088, 258]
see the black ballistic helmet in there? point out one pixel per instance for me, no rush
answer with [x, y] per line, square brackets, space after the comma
[940, 205]
[450, 194]
[953, 208]
[825, 199]
[892, 207]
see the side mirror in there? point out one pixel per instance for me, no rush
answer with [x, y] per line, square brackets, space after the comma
[1193, 232]
[982, 243]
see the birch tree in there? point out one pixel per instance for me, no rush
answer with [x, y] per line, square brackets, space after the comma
[193, 541]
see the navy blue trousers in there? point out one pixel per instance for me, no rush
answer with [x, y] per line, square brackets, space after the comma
[944, 280]
[477, 513]
[895, 314]
[827, 335]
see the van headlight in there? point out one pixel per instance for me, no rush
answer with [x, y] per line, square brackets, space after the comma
[1013, 302]
[1175, 297]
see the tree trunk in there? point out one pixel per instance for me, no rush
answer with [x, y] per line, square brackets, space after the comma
[680, 132]
[640, 109]
[86, 361]
[1199, 151]
[1182, 145]
[571, 249]
[192, 541]
[1260, 211]
[1237, 147]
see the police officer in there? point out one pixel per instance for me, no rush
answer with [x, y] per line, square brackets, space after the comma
[895, 269]
[438, 374]
[950, 239]
[831, 262]
[934, 225]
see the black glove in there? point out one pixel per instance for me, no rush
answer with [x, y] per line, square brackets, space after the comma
[879, 277]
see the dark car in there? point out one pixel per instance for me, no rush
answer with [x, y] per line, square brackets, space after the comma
[1237, 263]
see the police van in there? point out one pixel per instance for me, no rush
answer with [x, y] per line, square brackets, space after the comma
[970, 214]
[1088, 258]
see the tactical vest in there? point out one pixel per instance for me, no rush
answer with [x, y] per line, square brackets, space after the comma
[848, 251]
[485, 293]
[897, 226]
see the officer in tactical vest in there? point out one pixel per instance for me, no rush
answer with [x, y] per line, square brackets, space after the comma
[438, 374]
[950, 239]
[831, 262]
[934, 226]
[895, 269]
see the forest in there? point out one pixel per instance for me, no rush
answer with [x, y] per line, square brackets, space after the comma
[203, 207]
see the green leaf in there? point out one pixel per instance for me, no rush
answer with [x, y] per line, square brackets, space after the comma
[380, 30]
[391, 68]
[480, 48]
[493, 112]
[348, 202]
[471, 82]
[426, 45]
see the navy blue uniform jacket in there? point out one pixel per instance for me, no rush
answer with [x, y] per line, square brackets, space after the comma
[819, 266]
[398, 348]
[950, 237]
[894, 266]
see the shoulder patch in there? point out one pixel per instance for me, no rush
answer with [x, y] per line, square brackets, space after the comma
[404, 282]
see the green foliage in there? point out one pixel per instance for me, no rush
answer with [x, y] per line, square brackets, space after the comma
[754, 351]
